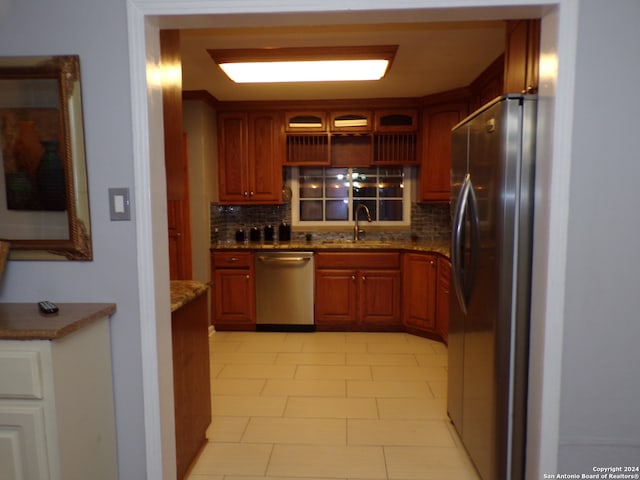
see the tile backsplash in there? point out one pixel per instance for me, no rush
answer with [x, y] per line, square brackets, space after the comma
[429, 222]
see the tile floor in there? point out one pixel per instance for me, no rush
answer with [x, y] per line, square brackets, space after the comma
[329, 406]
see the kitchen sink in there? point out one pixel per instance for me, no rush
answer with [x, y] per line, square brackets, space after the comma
[364, 243]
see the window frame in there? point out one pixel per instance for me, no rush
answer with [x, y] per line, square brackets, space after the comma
[406, 202]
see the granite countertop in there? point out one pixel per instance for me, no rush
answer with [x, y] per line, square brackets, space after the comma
[440, 247]
[24, 321]
[183, 291]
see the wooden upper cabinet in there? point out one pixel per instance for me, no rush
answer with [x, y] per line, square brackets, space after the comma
[351, 142]
[233, 156]
[307, 140]
[401, 120]
[488, 85]
[311, 121]
[435, 170]
[348, 121]
[357, 137]
[349, 150]
[266, 152]
[395, 139]
[251, 150]
[522, 54]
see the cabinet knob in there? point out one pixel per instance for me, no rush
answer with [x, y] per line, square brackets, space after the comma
[246, 194]
[353, 277]
[248, 277]
[363, 277]
[251, 194]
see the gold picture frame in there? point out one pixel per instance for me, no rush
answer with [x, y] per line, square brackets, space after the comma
[44, 201]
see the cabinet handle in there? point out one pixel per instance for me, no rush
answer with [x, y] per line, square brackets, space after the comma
[246, 194]
[251, 194]
[353, 277]
[363, 277]
[232, 259]
[248, 277]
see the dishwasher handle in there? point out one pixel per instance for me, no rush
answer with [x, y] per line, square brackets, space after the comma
[283, 260]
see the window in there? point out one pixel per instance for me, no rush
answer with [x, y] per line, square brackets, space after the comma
[329, 196]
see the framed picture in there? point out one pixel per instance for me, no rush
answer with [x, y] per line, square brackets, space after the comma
[44, 205]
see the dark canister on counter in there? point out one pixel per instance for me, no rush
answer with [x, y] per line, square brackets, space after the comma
[269, 233]
[284, 232]
[254, 234]
[240, 235]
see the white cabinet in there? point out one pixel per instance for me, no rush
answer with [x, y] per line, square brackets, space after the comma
[56, 407]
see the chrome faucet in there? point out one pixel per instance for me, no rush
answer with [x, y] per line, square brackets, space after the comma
[356, 227]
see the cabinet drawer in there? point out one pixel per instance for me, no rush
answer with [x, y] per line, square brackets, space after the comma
[358, 260]
[20, 374]
[232, 260]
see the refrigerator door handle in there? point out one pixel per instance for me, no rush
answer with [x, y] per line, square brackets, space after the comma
[464, 276]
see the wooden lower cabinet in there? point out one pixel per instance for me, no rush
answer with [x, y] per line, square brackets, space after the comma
[358, 291]
[354, 291]
[419, 273]
[192, 395]
[442, 303]
[234, 291]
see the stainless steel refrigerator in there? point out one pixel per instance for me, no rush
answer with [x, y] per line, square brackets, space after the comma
[492, 214]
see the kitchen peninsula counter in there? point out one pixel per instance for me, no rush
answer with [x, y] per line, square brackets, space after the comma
[439, 247]
[24, 321]
[185, 291]
[192, 393]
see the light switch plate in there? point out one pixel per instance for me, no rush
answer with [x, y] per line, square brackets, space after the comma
[119, 205]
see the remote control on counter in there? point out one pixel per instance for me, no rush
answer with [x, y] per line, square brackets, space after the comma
[47, 307]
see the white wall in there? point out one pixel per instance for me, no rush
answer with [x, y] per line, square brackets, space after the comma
[599, 416]
[97, 31]
[199, 124]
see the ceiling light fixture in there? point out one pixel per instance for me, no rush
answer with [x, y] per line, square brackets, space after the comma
[305, 64]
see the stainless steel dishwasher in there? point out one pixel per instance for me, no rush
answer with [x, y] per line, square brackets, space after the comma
[284, 291]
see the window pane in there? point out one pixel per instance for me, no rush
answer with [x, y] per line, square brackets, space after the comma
[337, 210]
[391, 172]
[366, 172]
[366, 188]
[336, 188]
[390, 187]
[365, 182]
[337, 173]
[390, 210]
[311, 210]
[311, 186]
